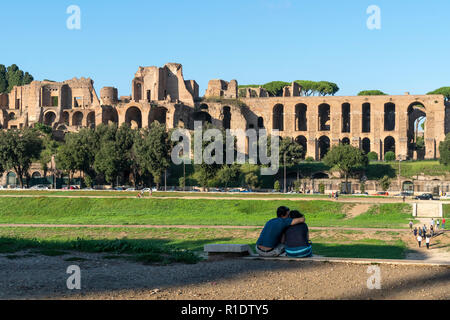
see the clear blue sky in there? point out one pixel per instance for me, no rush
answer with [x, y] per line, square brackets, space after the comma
[253, 41]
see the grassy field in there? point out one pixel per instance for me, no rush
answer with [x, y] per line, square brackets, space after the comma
[170, 245]
[191, 212]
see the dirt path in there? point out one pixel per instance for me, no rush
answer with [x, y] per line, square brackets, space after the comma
[357, 210]
[45, 278]
[179, 227]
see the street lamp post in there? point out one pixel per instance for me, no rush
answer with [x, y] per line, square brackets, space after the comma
[284, 170]
[399, 173]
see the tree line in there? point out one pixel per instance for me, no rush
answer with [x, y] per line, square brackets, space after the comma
[13, 76]
[308, 88]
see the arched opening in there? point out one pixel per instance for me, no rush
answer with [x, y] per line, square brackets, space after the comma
[12, 116]
[49, 118]
[389, 117]
[278, 117]
[366, 145]
[137, 91]
[366, 117]
[408, 186]
[260, 122]
[158, 114]
[301, 140]
[320, 175]
[202, 116]
[416, 131]
[77, 118]
[324, 117]
[324, 146]
[226, 122]
[345, 141]
[345, 117]
[11, 179]
[301, 122]
[91, 120]
[36, 175]
[109, 115]
[65, 118]
[133, 117]
[389, 145]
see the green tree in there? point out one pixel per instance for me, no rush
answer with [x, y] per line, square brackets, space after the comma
[294, 152]
[372, 155]
[372, 93]
[13, 76]
[346, 159]
[18, 149]
[389, 156]
[275, 88]
[251, 180]
[228, 174]
[3, 79]
[385, 183]
[153, 151]
[445, 91]
[444, 150]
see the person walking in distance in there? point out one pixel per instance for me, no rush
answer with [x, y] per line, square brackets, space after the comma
[410, 224]
[427, 240]
[443, 223]
[437, 224]
[419, 240]
[415, 232]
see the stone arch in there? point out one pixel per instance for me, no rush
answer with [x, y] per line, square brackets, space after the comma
[324, 117]
[301, 119]
[408, 186]
[109, 114]
[36, 175]
[278, 117]
[65, 118]
[389, 116]
[77, 118]
[366, 115]
[417, 116]
[158, 114]
[202, 116]
[137, 91]
[226, 122]
[345, 141]
[133, 117]
[323, 146]
[346, 114]
[301, 140]
[91, 120]
[49, 118]
[11, 116]
[389, 144]
[11, 179]
[366, 145]
[320, 175]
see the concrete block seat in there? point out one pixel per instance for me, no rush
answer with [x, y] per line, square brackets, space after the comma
[227, 250]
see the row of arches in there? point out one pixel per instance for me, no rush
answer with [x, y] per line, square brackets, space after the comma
[77, 118]
[324, 144]
[301, 120]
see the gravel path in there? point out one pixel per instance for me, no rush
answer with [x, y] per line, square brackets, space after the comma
[41, 277]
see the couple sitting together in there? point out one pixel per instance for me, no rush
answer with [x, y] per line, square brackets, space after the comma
[285, 235]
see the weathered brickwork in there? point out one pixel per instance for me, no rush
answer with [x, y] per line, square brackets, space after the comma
[372, 123]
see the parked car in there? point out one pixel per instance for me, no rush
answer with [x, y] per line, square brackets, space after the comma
[39, 187]
[360, 194]
[131, 189]
[382, 193]
[425, 196]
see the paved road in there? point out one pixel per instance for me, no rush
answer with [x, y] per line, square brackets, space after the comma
[249, 197]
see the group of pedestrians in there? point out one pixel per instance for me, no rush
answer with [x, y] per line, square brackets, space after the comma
[422, 232]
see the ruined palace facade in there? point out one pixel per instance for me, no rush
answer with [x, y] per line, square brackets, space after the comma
[372, 123]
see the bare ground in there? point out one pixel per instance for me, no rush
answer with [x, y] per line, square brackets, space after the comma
[41, 277]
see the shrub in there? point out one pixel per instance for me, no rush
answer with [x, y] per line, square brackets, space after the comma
[389, 156]
[309, 159]
[373, 156]
[277, 186]
[322, 188]
[385, 183]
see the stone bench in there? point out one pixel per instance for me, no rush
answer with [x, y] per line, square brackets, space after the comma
[226, 250]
